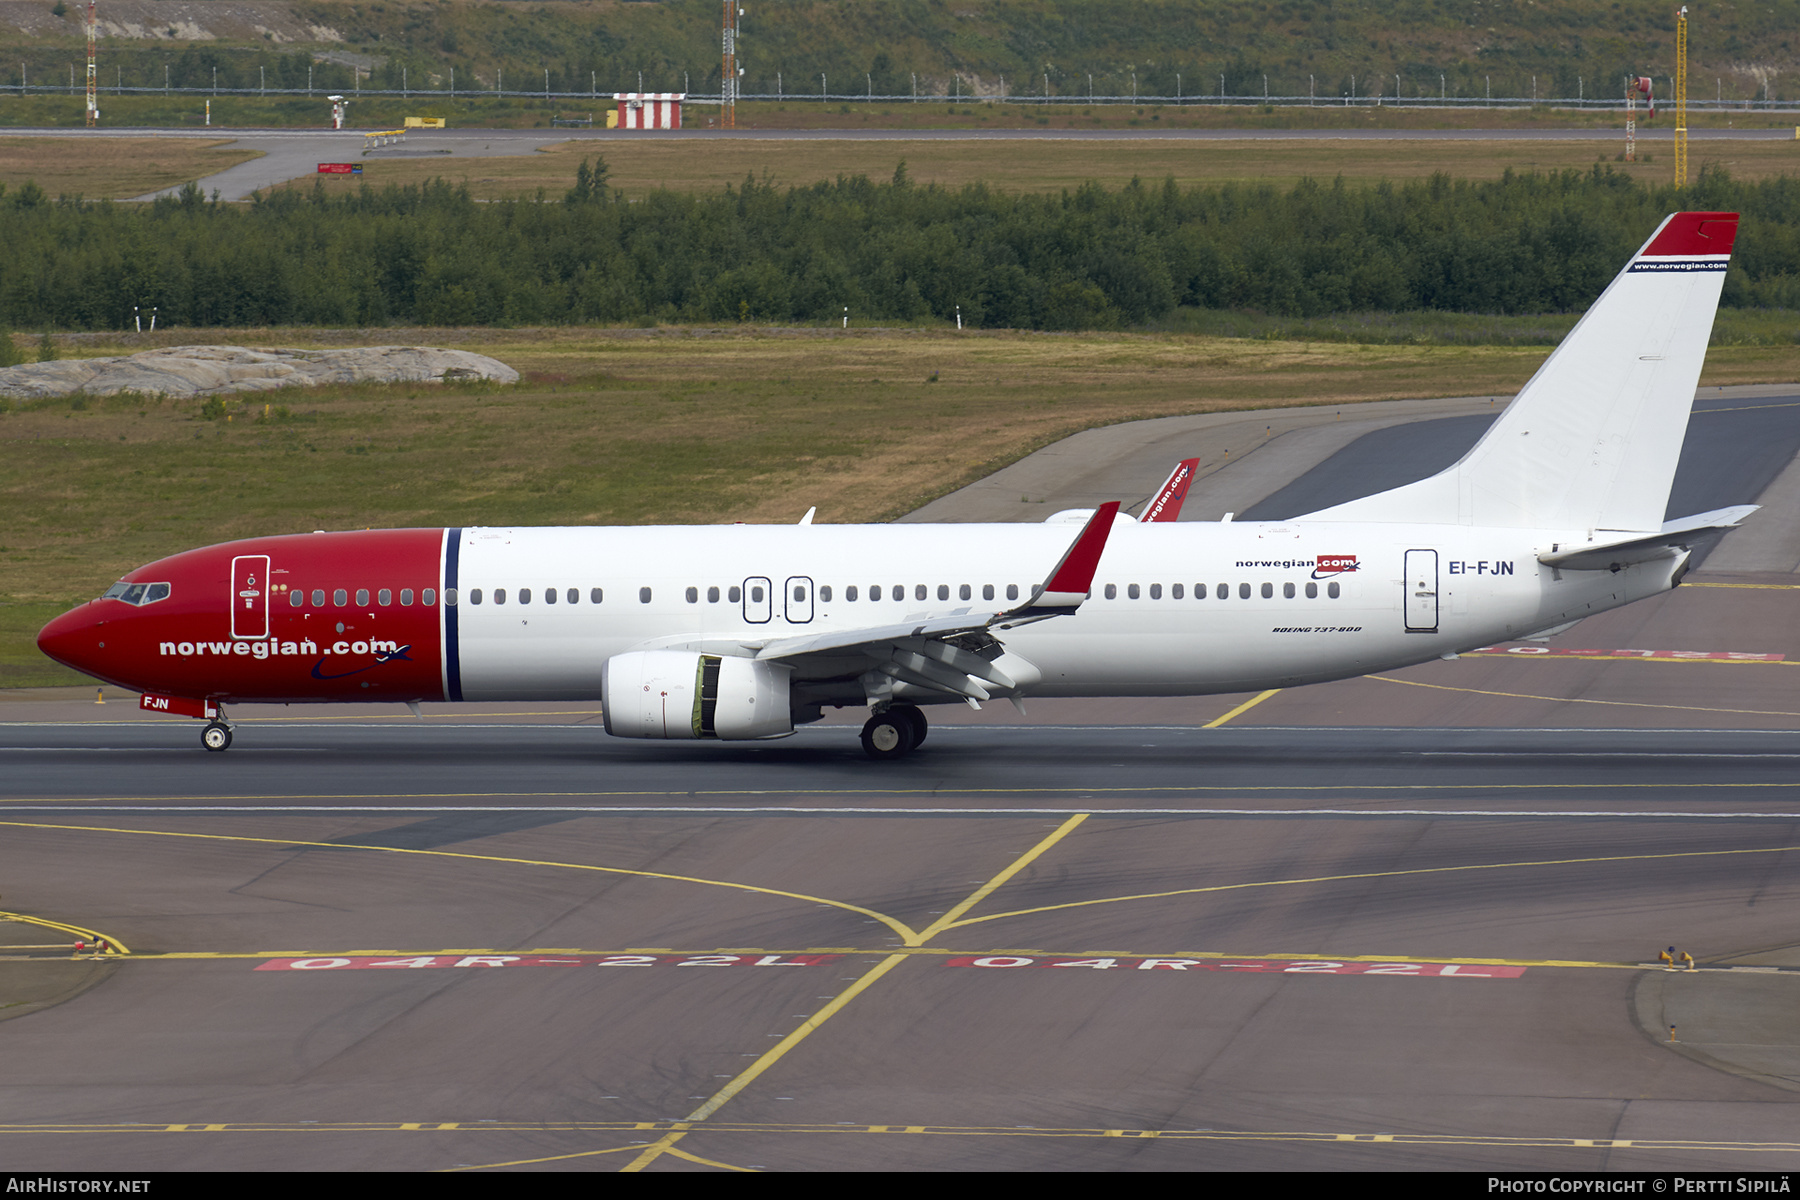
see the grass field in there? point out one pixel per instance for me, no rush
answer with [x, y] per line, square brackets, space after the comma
[132, 166]
[639, 426]
[113, 168]
[1045, 166]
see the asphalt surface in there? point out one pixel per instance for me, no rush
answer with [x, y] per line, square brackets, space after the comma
[1398, 922]
[1736, 446]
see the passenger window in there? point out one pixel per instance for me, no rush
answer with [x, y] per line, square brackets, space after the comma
[850, 593]
[943, 591]
[596, 595]
[296, 598]
[799, 593]
[549, 595]
[734, 594]
[1199, 591]
[693, 595]
[1312, 591]
[385, 597]
[1112, 591]
[756, 595]
[318, 598]
[1243, 591]
[405, 597]
[1287, 590]
[573, 596]
[987, 591]
[712, 595]
[1012, 591]
[1268, 591]
[1223, 591]
[340, 597]
[499, 595]
[875, 591]
[362, 597]
[1175, 591]
[429, 597]
[643, 595]
[1132, 591]
[1156, 591]
[1331, 589]
[825, 593]
[524, 595]
[919, 591]
[474, 595]
[963, 592]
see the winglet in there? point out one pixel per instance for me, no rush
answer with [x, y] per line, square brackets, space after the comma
[1166, 505]
[1073, 578]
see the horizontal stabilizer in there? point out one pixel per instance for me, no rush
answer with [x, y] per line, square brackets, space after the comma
[1675, 536]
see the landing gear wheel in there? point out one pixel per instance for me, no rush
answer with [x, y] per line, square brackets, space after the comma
[888, 735]
[216, 735]
[916, 715]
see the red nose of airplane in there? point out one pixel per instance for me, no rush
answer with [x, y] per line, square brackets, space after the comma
[76, 639]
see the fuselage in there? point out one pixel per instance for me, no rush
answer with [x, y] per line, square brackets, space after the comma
[533, 613]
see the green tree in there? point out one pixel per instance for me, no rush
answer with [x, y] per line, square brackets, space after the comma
[46, 348]
[590, 183]
[9, 350]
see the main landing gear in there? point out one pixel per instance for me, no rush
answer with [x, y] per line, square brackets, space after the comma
[894, 732]
[216, 735]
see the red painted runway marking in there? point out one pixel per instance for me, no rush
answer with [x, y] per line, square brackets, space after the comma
[1267, 966]
[1679, 655]
[438, 961]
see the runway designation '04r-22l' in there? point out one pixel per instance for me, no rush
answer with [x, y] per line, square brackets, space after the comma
[739, 632]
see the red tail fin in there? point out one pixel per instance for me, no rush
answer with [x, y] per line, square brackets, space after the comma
[1166, 504]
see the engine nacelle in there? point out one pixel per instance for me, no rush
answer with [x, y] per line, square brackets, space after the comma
[681, 694]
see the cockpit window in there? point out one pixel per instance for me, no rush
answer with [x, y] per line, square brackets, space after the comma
[138, 594]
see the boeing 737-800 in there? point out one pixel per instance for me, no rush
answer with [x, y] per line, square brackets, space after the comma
[741, 631]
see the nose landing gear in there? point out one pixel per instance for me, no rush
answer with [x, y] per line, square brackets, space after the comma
[216, 735]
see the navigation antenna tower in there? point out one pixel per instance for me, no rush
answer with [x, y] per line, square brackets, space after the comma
[93, 79]
[1681, 97]
[730, 72]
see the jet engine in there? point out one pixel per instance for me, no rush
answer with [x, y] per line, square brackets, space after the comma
[681, 694]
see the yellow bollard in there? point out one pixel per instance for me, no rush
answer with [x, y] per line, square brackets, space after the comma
[99, 696]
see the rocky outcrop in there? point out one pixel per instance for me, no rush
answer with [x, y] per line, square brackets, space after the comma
[215, 370]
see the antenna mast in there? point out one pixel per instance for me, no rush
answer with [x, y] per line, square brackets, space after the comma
[1681, 138]
[94, 96]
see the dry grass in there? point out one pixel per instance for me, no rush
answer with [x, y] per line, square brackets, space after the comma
[638, 167]
[114, 168]
[126, 166]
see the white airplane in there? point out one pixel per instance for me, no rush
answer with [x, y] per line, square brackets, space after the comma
[739, 632]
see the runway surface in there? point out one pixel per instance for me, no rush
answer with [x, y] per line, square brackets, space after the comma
[1408, 921]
